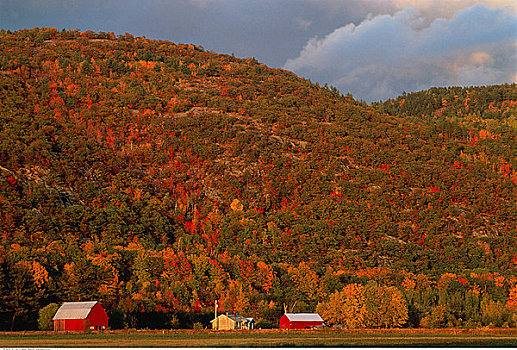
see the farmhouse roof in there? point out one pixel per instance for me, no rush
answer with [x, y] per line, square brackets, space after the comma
[235, 318]
[74, 310]
[304, 317]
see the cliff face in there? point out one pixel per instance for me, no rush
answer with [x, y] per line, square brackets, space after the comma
[160, 176]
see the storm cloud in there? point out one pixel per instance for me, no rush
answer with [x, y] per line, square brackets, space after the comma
[371, 48]
[387, 54]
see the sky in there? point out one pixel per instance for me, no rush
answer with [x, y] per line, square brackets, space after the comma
[373, 49]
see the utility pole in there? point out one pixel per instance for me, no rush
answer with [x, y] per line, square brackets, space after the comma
[216, 319]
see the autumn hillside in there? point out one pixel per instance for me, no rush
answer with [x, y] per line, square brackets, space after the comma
[159, 177]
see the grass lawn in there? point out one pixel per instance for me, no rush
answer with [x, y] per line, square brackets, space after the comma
[319, 338]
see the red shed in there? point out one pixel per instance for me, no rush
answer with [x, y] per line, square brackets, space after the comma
[80, 316]
[300, 321]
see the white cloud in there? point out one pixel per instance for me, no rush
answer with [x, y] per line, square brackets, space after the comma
[429, 9]
[452, 4]
[432, 9]
[386, 54]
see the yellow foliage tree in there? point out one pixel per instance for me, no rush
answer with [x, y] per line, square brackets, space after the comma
[438, 317]
[494, 313]
[346, 307]
[304, 280]
[386, 306]
[371, 306]
[243, 303]
[39, 273]
[265, 276]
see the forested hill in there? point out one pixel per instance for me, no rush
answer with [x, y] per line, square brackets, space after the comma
[159, 177]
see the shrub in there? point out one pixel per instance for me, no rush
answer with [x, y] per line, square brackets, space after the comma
[174, 322]
[198, 325]
[45, 317]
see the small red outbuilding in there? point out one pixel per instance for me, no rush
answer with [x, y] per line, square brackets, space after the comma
[80, 316]
[300, 321]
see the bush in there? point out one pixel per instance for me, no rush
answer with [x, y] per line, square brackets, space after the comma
[198, 325]
[45, 317]
[174, 322]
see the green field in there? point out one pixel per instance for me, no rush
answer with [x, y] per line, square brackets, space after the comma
[453, 338]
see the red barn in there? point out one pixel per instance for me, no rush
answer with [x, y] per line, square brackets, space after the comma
[80, 316]
[300, 321]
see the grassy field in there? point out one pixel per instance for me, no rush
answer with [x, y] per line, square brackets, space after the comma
[319, 338]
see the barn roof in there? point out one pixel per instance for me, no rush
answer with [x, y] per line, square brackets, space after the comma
[74, 310]
[304, 317]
